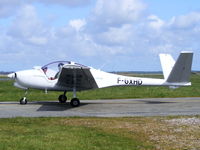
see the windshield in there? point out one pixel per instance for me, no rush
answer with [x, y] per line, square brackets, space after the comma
[53, 69]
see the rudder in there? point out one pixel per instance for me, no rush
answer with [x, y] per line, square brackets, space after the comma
[182, 68]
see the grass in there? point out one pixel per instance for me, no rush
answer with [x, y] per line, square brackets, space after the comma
[136, 133]
[57, 133]
[10, 93]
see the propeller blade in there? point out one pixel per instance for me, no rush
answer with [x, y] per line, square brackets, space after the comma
[12, 75]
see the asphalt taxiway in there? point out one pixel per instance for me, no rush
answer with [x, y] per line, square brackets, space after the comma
[104, 108]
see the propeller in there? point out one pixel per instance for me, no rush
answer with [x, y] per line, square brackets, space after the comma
[12, 75]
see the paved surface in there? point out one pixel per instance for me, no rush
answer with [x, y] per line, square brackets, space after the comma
[104, 108]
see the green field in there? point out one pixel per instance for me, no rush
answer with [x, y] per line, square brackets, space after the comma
[10, 93]
[138, 133]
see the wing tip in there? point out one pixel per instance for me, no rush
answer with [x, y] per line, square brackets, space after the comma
[186, 52]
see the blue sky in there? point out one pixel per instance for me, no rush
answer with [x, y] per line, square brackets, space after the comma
[165, 9]
[110, 35]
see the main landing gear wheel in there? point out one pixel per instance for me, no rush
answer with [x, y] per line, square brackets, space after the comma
[62, 98]
[23, 101]
[75, 102]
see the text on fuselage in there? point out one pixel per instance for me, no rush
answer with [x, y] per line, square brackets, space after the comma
[129, 81]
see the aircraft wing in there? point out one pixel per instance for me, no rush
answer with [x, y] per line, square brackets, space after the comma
[76, 76]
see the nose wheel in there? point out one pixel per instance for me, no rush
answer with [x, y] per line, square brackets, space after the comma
[23, 101]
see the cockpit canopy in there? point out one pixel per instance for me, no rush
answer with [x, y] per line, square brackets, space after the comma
[53, 69]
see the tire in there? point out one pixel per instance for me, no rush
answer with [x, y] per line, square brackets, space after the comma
[62, 98]
[23, 101]
[75, 102]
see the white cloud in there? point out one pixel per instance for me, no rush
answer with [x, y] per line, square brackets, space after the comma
[27, 27]
[38, 40]
[8, 7]
[155, 22]
[116, 35]
[77, 24]
[113, 24]
[116, 30]
[117, 12]
[185, 21]
[70, 3]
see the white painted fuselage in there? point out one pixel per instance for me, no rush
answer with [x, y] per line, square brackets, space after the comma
[69, 76]
[36, 79]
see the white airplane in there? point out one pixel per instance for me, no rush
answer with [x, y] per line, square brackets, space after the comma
[71, 76]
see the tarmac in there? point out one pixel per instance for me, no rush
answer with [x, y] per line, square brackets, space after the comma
[104, 108]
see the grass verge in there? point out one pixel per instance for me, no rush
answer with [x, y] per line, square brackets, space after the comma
[100, 133]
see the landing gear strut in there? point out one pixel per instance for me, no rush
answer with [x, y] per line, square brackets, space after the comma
[74, 101]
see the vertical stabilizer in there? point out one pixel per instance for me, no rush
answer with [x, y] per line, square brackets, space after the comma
[167, 63]
[182, 68]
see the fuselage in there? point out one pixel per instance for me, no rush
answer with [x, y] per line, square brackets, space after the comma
[70, 76]
[45, 78]
[37, 79]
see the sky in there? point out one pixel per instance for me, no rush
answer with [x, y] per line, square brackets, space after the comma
[111, 35]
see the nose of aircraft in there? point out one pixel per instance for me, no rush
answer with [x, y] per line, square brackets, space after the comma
[12, 75]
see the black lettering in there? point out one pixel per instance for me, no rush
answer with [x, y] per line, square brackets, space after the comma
[139, 82]
[118, 80]
[131, 82]
[135, 82]
[126, 81]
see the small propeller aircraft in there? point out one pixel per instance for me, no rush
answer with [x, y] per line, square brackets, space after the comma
[70, 76]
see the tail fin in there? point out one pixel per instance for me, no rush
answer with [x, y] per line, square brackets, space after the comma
[182, 68]
[179, 71]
